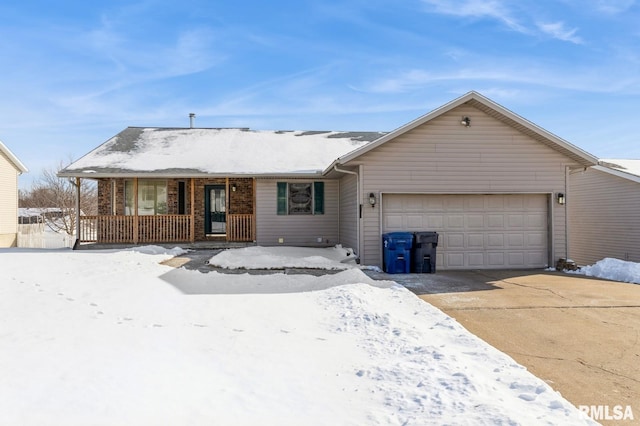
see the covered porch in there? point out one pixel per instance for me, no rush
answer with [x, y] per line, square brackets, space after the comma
[150, 210]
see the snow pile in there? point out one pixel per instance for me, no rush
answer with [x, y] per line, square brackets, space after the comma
[612, 269]
[109, 338]
[285, 257]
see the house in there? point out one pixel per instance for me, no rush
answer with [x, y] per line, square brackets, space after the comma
[491, 183]
[604, 205]
[10, 169]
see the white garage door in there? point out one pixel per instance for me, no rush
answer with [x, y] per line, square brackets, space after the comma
[476, 231]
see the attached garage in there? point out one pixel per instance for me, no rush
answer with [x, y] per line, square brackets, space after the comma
[491, 183]
[495, 231]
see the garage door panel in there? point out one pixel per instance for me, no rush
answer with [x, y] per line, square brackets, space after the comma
[515, 202]
[393, 222]
[475, 260]
[495, 203]
[516, 221]
[536, 220]
[495, 221]
[515, 240]
[495, 259]
[495, 241]
[453, 203]
[394, 204]
[474, 204]
[475, 221]
[454, 240]
[435, 222]
[539, 203]
[515, 259]
[455, 221]
[476, 231]
[475, 241]
[454, 260]
[535, 258]
[413, 204]
[415, 222]
[535, 240]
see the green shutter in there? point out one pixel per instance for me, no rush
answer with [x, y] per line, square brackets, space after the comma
[318, 197]
[282, 197]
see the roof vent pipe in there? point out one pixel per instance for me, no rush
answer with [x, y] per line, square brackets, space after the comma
[192, 117]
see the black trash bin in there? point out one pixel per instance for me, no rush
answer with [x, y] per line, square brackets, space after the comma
[397, 252]
[424, 252]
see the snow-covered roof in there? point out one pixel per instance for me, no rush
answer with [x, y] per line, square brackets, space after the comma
[196, 151]
[626, 168]
[17, 163]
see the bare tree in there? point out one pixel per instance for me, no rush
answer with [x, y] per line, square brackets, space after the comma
[55, 197]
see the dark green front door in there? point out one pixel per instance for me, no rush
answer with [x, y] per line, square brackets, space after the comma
[215, 216]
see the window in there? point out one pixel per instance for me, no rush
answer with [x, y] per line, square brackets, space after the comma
[152, 197]
[300, 198]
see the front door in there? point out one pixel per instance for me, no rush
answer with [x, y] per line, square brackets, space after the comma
[215, 201]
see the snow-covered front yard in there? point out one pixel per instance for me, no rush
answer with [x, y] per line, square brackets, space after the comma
[117, 338]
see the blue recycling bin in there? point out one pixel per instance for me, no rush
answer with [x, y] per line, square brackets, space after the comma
[396, 248]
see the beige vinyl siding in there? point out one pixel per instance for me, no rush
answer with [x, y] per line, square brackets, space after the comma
[349, 212]
[8, 202]
[443, 157]
[604, 217]
[296, 230]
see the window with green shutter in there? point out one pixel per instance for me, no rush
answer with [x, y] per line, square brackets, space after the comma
[318, 197]
[300, 198]
[282, 197]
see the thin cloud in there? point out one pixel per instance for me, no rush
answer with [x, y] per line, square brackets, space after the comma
[614, 7]
[478, 9]
[558, 31]
[501, 12]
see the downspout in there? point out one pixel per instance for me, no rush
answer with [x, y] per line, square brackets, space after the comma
[566, 212]
[358, 206]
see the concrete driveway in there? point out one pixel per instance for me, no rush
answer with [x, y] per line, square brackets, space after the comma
[580, 335]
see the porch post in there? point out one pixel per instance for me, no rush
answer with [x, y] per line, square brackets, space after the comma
[226, 206]
[135, 210]
[253, 213]
[77, 212]
[192, 225]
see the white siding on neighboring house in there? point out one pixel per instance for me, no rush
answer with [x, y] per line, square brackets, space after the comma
[8, 202]
[604, 216]
[443, 157]
[296, 230]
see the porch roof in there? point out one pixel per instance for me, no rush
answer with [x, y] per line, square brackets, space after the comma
[152, 151]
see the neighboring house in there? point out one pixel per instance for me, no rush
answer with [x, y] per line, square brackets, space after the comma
[604, 203]
[487, 180]
[10, 169]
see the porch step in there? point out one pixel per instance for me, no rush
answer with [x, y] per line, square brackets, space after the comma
[198, 245]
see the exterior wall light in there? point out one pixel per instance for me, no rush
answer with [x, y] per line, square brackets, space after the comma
[372, 199]
[233, 187]
[561, 199]
[466, 121]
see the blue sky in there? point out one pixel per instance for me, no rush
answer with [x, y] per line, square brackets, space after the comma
[76, 73]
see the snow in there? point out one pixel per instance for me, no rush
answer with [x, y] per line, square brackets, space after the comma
[285, 257]
[624, 165]
[216, 151]
[115, 337]
[612, 269]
